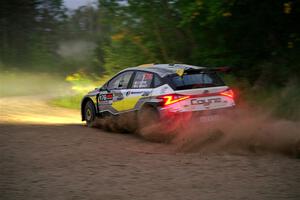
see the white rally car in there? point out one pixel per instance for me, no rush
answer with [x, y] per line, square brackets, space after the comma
[161, 91]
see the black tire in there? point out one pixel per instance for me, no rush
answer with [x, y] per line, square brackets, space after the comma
[149, 125]
[147, 117]
[90, 114]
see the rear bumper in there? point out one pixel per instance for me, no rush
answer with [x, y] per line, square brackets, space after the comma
[219, 111]
[173, 121]
[165, 114]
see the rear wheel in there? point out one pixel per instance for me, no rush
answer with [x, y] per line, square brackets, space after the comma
[90, 114]
[147, 117]
[149, 125]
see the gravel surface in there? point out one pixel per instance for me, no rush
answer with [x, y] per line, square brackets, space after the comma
[46, 153]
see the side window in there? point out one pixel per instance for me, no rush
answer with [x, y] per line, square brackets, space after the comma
[125, 80]
[114, 83]
[142, 80]
[157, 81]
[120, 82]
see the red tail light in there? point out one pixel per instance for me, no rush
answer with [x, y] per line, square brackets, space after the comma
[228, 93]
[172, 98]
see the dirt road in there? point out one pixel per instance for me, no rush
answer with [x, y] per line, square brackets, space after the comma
[46, 153]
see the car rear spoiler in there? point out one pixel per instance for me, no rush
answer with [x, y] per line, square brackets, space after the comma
[226, 69]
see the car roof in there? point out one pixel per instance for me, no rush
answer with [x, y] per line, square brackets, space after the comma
[164, 69]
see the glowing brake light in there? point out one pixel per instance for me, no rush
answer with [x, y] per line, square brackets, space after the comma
[228, 93]
[172, 98]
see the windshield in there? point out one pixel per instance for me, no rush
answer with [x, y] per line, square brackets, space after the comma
[196, 80]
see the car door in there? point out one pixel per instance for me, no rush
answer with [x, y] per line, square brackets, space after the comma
[112, 98]
[140, 89]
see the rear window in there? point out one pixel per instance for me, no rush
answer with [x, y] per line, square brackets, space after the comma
[198, 80]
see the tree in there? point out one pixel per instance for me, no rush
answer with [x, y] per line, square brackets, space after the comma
[29, 29]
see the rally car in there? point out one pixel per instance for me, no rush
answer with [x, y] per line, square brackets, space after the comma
[160, 91]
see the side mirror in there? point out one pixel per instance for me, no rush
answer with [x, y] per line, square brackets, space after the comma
[121, 84]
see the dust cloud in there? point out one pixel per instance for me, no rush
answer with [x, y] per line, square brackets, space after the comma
[76, 50]
[243, 131]
[21, 83]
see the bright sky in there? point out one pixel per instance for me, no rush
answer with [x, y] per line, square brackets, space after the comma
[73, 4]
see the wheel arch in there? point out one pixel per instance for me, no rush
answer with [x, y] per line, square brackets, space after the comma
[83, 103]
[152, 105]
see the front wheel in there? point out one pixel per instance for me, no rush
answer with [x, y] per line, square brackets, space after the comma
[90, 114]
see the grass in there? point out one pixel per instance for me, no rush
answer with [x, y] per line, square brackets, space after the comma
[81, 83]
[72, 102]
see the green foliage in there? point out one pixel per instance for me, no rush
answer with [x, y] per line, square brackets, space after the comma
[72, 102]
[122, 54]
[259, 39]
[286, 102]
[255, 37]
[80, 83]
[20, 83]
[29, 31]
[281, 102]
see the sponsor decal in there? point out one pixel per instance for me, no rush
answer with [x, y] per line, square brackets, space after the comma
[205, 102]
[109, 96]
[143, 93]
[163, 90]
[136, 92]
[118, 96]
[105, 97]
[141, 84]
[180, 72]
[148, 76]
[106, 102]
